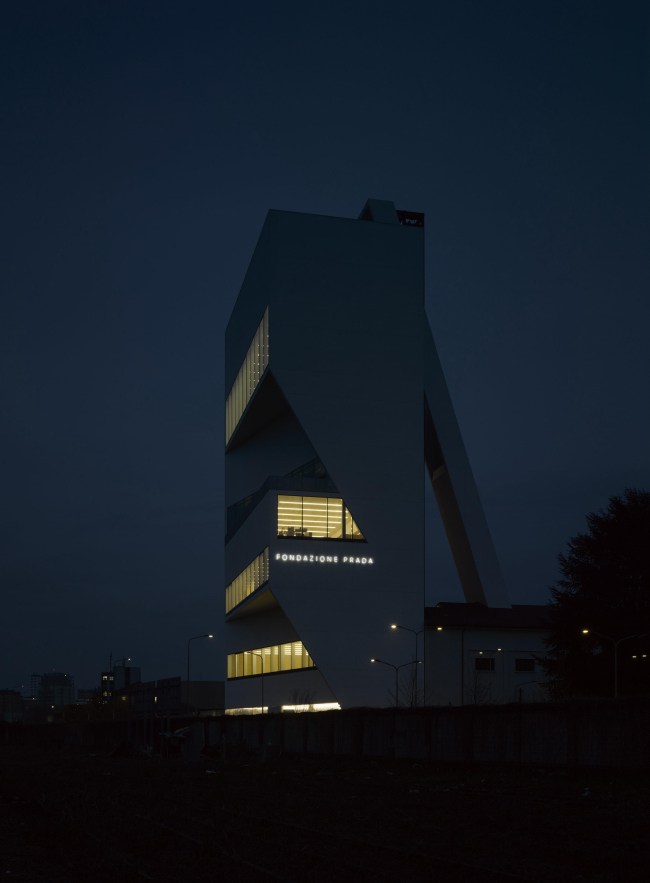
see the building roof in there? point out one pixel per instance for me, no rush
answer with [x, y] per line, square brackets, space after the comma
[458, 615]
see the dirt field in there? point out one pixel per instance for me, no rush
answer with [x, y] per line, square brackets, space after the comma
[96, 819]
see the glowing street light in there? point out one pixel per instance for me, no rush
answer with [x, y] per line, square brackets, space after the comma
[615, 643]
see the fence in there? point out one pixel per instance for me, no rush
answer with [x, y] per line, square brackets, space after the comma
[586, 733]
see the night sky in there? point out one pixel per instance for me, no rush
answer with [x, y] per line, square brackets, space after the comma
[142, 145]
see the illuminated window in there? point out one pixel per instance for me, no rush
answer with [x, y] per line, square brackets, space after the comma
[249, 375]
[321, 706]
[248, 580]
[282, 657]
[316, 518]
[524, 665]
[484, 663]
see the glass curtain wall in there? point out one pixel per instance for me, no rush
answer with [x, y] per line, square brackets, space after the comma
[316, 518]
[249, 375]
[248, 580]
[282, 657]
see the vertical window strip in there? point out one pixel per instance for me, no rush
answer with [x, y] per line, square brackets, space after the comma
[257, 362]
[265, 339]
[250, 579]
[249, 375]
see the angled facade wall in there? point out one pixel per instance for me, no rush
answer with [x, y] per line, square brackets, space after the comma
[324, 460]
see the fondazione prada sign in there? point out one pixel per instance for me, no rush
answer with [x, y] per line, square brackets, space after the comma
[323, 559]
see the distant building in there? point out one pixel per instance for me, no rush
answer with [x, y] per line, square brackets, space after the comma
[34, 686]
[55, 690]
[125, 675]
[87, 695]
[119, 678]
[11, 706]
[168, 697]
[106, 688]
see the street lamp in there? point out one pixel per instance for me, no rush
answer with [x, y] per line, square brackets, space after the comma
[397, 668]
[196, 637]
[259, 656]
[417, 635]
[615, 643]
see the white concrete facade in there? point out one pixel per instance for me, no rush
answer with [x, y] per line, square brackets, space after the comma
[352, 382]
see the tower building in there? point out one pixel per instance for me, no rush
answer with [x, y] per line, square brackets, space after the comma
[335, 399]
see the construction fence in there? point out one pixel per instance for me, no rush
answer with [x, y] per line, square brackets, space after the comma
[585, 733]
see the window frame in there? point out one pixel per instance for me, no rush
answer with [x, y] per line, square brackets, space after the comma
[345, 512]
[531, 662]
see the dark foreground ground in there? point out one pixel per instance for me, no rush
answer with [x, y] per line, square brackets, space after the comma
[96, 819]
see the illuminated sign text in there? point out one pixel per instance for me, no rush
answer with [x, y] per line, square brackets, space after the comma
[323, 559]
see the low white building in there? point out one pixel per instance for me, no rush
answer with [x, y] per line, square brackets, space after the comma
[477, 655]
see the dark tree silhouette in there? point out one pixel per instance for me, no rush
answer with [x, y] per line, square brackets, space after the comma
[605, 588]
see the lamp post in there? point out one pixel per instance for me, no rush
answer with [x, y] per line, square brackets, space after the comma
[196, 637]
[259, 656]
[519, 686]
[424, 679]
[397, 668]
[615, 643]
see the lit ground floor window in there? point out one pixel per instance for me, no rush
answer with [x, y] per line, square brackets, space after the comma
[269, 660]
[321, 706]
[258, 709]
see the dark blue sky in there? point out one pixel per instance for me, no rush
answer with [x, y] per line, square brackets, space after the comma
[144, 142]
